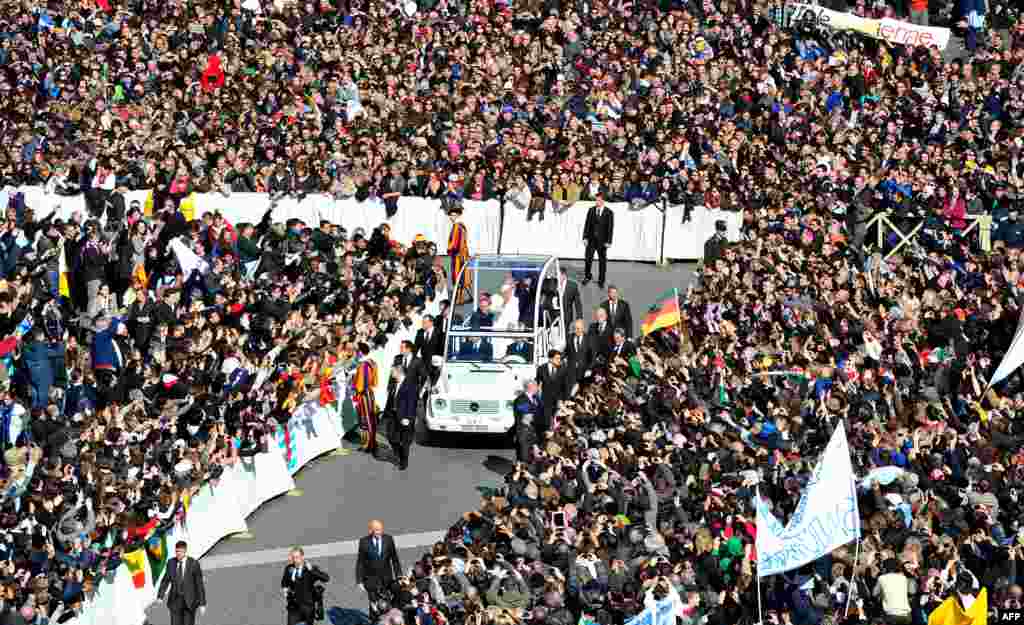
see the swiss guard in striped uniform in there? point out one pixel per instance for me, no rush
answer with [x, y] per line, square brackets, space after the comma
[458, 251]
[363, 383]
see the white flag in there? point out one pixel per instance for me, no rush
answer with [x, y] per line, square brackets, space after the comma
[826, 517]
[188, 259]
[1014, 356]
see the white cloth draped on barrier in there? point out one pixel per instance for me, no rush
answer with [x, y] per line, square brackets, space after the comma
[415, 215]
[637, 234]
[686, 241]
[259, 479]
[44, 203]
[216, 511]
[311, 432]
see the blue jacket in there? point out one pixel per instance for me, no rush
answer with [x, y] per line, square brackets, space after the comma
[968, 6]
[104, 356]
[523, 349]
[525, 406]
[1013, 234]
[37, 357]
[79, 396]
[484, 352]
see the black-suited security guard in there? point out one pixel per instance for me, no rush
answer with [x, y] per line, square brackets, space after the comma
[302, 593]
[714, 248]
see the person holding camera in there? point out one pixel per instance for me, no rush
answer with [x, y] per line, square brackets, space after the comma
[303, 595]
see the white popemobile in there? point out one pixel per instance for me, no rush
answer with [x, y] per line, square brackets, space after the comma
[499, 332]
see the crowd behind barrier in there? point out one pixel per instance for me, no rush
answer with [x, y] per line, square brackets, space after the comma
[222, 506]
[652, 233]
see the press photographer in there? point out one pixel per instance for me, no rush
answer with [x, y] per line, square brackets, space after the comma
[302, 588]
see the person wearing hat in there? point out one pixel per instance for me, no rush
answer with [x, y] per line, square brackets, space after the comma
[458, 252]
[363, 383]
[714, 248]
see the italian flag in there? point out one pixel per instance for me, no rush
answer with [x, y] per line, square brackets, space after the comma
[136, 562]
[663, 314]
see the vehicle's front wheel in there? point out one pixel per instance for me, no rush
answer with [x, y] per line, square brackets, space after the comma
[426, 436]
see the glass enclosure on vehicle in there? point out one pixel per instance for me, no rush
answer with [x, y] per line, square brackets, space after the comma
[502, 321]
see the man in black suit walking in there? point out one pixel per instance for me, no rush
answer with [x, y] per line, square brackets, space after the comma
[413, 366]
[621, 346]
[552, 390]
[597, 234]
[600, 334]
[402, 410]
[187, 594]
[429, 343]
[578, 352]
[569, 294]
[527, 408]
[619, 314]
[377, 565]
[298, 587]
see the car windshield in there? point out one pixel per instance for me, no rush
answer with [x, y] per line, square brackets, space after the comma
[508, 348]
[497, 295]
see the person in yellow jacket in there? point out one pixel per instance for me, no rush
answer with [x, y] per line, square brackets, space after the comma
[458, 251]
[363, 383]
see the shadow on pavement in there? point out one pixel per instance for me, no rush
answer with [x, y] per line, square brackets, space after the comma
[499, 465]
[460, 440]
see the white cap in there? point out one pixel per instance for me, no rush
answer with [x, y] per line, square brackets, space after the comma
[230, 364]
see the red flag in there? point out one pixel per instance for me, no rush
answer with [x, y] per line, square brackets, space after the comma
[213, 75]
[104, 4]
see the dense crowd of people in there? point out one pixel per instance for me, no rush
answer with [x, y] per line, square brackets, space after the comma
[557, 101]
[639, 485]
[174, 352]
[171, 348]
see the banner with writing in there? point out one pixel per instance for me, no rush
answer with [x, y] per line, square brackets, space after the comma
[826, 517]
[893, 31]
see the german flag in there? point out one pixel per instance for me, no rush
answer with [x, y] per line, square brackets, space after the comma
[663, 314]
